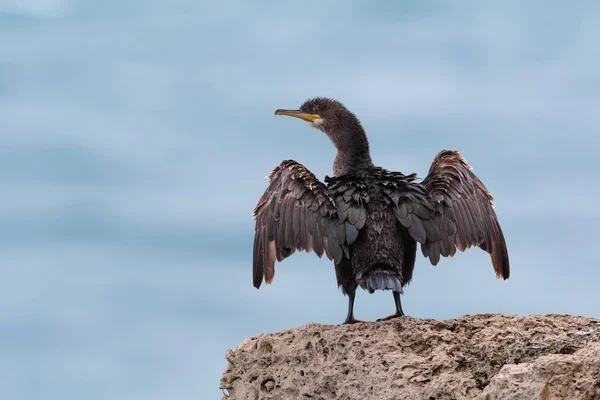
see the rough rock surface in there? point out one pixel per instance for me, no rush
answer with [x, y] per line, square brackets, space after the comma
[481, 357]
[555, 376]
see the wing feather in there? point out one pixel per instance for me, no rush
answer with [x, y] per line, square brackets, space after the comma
[450, 178]
[299, 212]
[451, 209]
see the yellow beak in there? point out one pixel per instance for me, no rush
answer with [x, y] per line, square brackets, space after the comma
[298, 114]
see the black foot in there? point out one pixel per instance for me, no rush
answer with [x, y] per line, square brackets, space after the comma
[352, 320]
[395, 315]
[399, 312]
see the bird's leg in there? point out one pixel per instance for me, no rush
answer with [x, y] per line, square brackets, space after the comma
[350, 318]
[399, 312]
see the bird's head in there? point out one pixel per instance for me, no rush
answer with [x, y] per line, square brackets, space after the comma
[325, 114]
[341, 126]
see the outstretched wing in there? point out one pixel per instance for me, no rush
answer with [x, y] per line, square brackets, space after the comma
[297, 212]
[452, 209]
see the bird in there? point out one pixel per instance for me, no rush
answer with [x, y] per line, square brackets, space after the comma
[367, 219]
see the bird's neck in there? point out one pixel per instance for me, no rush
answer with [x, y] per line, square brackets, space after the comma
[352, 151]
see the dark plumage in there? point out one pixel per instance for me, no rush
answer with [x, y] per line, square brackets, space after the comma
[367, 219]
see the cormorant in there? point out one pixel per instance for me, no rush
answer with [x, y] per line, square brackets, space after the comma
[367, 219]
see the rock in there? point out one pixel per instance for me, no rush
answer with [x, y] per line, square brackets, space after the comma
[484, 357]
[556, 376]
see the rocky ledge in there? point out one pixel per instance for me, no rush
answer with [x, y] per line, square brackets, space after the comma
[473, 357]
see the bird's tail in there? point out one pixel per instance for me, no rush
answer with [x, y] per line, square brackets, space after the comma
[383, 279]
